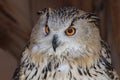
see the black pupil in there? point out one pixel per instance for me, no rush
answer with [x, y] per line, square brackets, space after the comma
[70, 30]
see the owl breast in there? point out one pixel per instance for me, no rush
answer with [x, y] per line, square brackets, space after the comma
[61, 68]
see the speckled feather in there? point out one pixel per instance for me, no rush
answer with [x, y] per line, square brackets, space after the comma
[83, 56]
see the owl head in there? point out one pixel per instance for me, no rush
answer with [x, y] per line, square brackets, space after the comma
[65, 31]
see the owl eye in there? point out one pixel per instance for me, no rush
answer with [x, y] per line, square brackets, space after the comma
[70, 31]
[47, 30]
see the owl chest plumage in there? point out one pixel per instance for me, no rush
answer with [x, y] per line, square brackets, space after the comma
[66, 69]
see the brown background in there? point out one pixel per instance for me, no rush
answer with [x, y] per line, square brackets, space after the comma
[17, 18]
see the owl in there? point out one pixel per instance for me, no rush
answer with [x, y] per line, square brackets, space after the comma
[65, 44]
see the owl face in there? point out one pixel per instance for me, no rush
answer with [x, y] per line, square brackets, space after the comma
[65, 31]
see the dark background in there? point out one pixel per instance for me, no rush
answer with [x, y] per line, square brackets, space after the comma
[17, 17]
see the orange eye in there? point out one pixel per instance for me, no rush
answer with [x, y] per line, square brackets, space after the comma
[47, 30]
[70, 31]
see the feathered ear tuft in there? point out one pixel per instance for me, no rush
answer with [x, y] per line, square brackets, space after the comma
[44, 11]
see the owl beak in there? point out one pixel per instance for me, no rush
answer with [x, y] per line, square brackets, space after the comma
[55, 42]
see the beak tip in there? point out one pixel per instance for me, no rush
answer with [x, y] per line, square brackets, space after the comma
[54, 49]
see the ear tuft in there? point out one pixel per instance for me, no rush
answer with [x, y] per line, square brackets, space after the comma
[44, 11]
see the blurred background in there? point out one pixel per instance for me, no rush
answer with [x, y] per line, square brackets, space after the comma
[17, 18]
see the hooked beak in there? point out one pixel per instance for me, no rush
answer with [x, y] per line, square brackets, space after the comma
[55, 42]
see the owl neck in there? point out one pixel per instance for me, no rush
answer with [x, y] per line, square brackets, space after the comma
[83, 62]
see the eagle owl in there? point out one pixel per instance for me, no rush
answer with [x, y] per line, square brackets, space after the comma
[65, 44]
